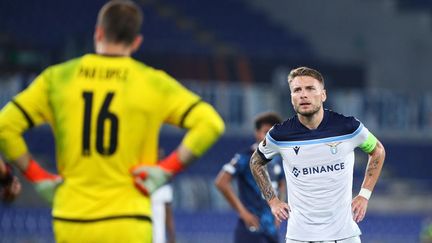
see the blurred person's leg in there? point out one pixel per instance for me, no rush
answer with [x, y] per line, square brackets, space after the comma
[158, 222]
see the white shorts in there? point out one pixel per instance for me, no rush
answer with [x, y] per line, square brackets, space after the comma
[355, 239]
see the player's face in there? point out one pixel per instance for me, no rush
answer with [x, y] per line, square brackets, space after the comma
[260, 133]
[307, 95]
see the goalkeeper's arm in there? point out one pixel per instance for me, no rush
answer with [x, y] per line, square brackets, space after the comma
[205, 126]
[13, 123]
[44, 182]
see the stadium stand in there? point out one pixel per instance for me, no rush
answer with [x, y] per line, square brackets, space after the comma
[423, 5]
[251, 33]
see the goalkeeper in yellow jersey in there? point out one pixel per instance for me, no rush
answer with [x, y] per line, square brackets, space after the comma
[106, 111]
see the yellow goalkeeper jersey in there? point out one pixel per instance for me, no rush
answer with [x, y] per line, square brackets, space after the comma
[106, 113]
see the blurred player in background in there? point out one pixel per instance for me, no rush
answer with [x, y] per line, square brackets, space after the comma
[163, 218]
[106, 111]
[10, 186]
[317, 146]
[256, 222]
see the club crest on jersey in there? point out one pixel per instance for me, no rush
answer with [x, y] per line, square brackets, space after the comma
[296, 172]
[333, 147]
[296, 149]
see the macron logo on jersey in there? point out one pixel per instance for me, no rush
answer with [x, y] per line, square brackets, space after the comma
[318, 169]
[296, 149]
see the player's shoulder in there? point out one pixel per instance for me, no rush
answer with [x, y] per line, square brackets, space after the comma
[65, 66]
[283, 129]
[247, 152]
[241, 158]
[143, 67]
[342, 123]
[289, 123]
[156, 77]
[334, 124]
[149, 70]
[61, 71]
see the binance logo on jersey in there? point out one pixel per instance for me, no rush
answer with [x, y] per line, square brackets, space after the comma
[296, 172]
[319, 169]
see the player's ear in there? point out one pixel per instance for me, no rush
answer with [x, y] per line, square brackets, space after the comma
[98, 34]
[136, 43]
[324, 95]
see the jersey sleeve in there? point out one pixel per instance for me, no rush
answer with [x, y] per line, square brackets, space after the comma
[33, 101]
[186, 110]
[179, 100]
[369, 144]
[364, 139]
[235, 166]
[268, 148]
[29, 108]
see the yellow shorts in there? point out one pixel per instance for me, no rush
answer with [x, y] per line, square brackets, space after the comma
[116, 230]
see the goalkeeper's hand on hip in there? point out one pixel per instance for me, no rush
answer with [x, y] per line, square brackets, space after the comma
[44, 182]
[148, 178]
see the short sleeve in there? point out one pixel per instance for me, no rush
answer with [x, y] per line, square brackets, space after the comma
[236, 165]
[268, 148]
[359, 135]
[364, 139]
[369, 144]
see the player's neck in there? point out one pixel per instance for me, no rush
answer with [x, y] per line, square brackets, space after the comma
[313, 121]
[111, 49]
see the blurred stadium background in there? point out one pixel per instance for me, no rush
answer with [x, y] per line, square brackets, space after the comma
[376, 57]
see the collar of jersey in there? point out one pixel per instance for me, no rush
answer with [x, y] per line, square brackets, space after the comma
[315, 141]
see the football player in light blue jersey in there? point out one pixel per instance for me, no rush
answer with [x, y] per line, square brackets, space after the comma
[317, 146]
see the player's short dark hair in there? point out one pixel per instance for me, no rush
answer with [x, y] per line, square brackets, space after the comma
[305, 71]
[270, 118]
[121, 20]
